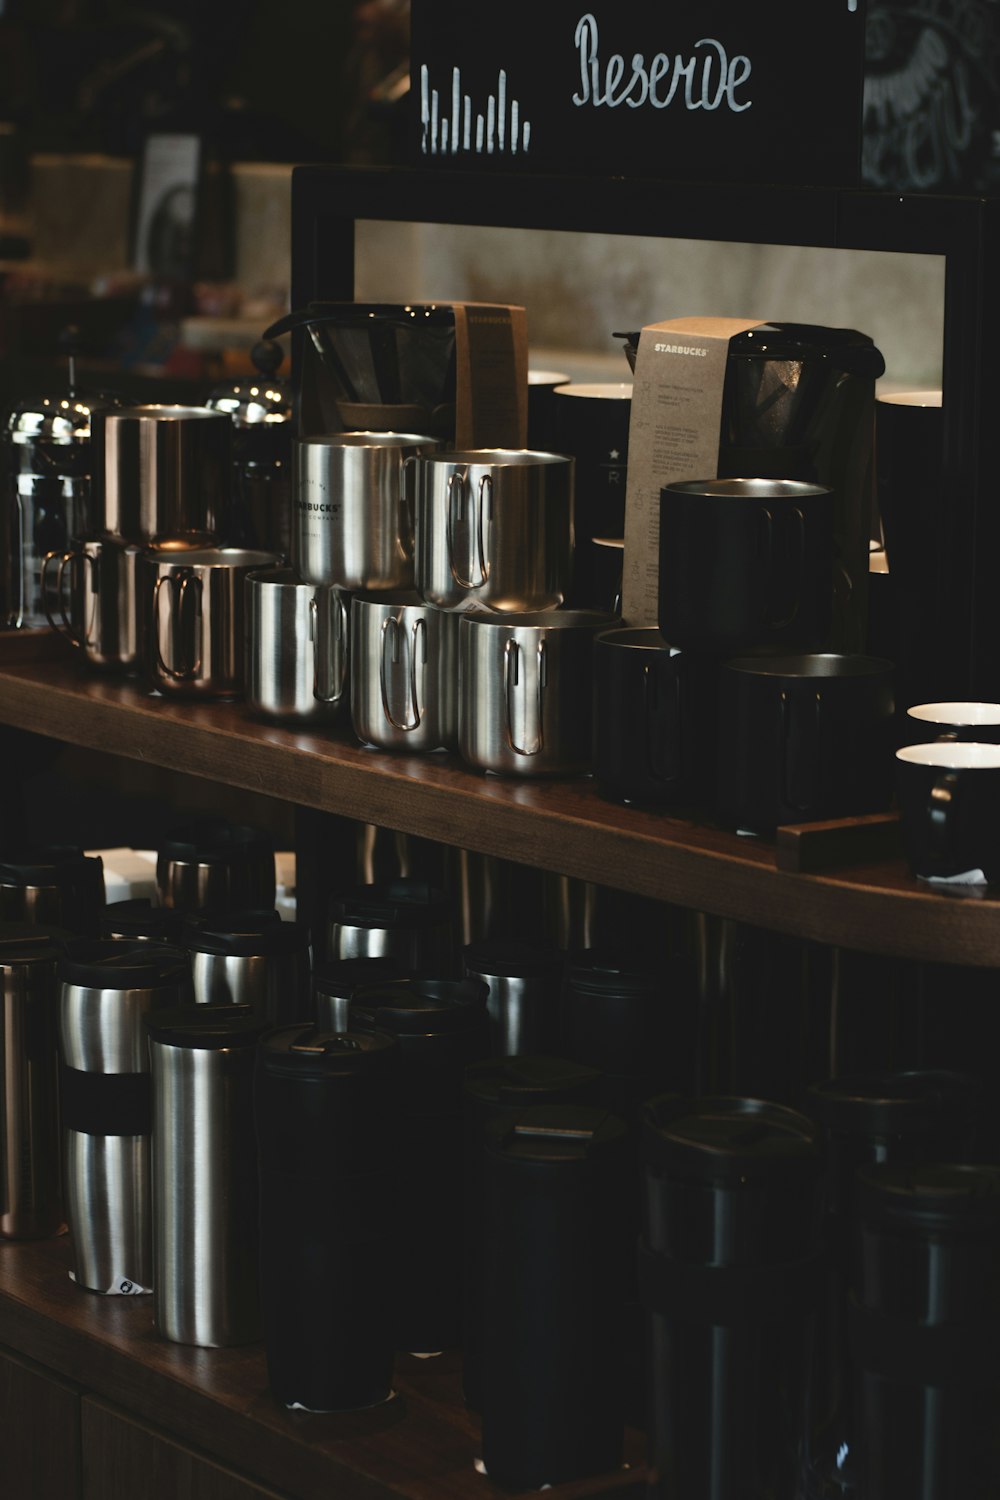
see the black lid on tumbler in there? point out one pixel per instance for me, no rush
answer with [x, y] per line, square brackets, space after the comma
[729, 1141]
[890, 1104]
[930, 1198]
[305, 1052]
[393, 903]
[244, 934]
[422, 1007]
[603, 972]
[209, 841]
[513, 960]
[340, 978]
[206, 1027]
[141, 921]
[557, 1137]
[124, 964]
[50, 864]
[503, 1083]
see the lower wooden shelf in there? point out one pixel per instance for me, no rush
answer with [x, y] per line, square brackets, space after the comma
[421, 1445]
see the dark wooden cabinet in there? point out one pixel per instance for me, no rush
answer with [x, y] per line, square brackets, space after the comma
[123, 1459]
[39, 1433]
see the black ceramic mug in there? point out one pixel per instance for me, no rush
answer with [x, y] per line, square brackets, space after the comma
[804, 738]
[949, 803]
[646, 745]
[746, 564]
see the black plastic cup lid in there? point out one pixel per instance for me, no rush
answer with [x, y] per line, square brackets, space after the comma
[599, 972]
[52, 865]
[244, 934]
[394, 903]
[308, 1052]
[342, 977]
[123, 964]
[140, 920]
[729, 1141]
[522, 1082]
[930, 1198]
[913, 1103]
[24, 943]
[513, 960]
[557, 1135]
[206, 1027]
[213, 841]
[405, 1010]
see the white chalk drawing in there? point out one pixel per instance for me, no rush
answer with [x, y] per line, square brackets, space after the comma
[458, 124]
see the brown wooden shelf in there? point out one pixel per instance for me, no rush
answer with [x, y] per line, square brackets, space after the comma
[563, 825]
[421, 1445]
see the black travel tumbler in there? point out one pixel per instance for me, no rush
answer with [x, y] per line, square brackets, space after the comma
[925, 1319]
[325, 1114]
[729, 1274]
[502, 1089]
[557, 1248]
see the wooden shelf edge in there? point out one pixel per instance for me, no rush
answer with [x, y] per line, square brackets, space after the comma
[563, 826]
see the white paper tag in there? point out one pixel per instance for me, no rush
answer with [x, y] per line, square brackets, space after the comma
[967, 877]
[122, 1286]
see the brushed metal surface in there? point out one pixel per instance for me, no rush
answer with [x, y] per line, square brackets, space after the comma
[404, 672]
[102, 1030]
[108, 1208]
[161, 471]
[297, 647]
[526, 691]
[204, 1201]
[353, 498]
[274, 985]
[92, 589]
[494, 528]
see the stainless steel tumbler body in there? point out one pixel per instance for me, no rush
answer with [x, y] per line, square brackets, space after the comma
[251, 958]
[353, 503]
[213, 865]
[107, 989]
[297, 647]
[53, 884]
[204, 1175]
[494, 527]
[31, 1205]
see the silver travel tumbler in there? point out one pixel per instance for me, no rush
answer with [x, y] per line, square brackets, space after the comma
[204, 1176]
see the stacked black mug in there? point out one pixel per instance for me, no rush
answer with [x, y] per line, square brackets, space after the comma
[737, 703]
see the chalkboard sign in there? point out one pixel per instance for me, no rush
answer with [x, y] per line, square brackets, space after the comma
[932, 96]
[715, 90]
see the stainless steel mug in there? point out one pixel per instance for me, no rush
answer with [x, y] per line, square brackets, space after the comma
[107, 989]
[89, 595]
[353, 501]
[404, 672]
[161, 471]
[31, 1200]
[494, 527]
[54, 883]
[297, 647]
[204, 1175]
[405, 920]
[525, 702]
[192, 612]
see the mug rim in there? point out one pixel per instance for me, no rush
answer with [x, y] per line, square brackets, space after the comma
[748, 488]
[963, 715]
[859, 664]
[496, 458]
[952, 755]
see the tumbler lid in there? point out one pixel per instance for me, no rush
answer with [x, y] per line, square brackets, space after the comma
[728, 1141]
[141, 921]
[393, 903]
[520, 1082]
[210, 841]
[928, 1198]
[595, 971]
[421, 1007]
[911, 1103]
[308, 1052]
[513, 960]
[246, 934]
[341, 977]
[557, 1135]
[124, 964]
[23, 943]
[55, 864]
[207, 1027]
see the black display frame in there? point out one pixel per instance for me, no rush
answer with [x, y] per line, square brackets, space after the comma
[327, 203]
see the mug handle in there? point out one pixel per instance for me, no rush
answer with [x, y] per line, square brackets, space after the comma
[178, 674]
[798, 522]
[406, 507]
[789, 793]
[942, 810]
[419, 637]
[64, 624]
[485, 511]
[652, 691]
[511, 677]
[328, 633]
[459, 479]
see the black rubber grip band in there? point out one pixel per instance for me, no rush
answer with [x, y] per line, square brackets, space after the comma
[106, 1103]
[722, 1296]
